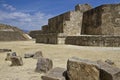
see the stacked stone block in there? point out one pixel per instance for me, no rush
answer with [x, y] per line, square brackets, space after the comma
[102, 20]
[67, 24]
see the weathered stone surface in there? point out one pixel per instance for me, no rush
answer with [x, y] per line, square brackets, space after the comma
[108, 72]
[83, 8]
[37, 55]
[55, 74]
[84, 26]
[34, 33]
[11, 33]
[79, 69]
[5, 50]
[9, 55]
[28, 55]
[16, 61]
[94, 40]
[44, 65]
[102, 20]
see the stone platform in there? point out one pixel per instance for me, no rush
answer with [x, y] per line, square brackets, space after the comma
[94, 40]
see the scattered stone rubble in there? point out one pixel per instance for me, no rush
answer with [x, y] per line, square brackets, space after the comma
[77, 69]
[15, 60]
[82, 69]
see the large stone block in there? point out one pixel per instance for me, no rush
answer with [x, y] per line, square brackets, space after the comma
[55, 74]
[108, 72]
[44, 65]
[79, 69]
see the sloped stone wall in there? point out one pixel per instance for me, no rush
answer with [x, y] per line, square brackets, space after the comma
[11, 36]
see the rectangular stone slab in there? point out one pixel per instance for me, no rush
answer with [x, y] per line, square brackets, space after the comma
[55, 74]
[108, 72]
[79, 69]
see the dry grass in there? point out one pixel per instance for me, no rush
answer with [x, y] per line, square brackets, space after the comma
[58, 53]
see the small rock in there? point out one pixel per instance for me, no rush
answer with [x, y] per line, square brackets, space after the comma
[9, 55]
[55, 74]
[44, 65]
[16, 61]
[110, 62]
[37, 55]
[28, 55]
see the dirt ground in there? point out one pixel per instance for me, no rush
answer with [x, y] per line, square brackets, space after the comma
[58, 53]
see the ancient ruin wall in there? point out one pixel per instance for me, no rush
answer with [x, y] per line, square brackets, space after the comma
[69, 23]
[102, 20]
[46, 38]
[45, 29]
[11, 36]
[56, 23]
[73, 27]
[11, 33]
[34, 33]
[94, 40]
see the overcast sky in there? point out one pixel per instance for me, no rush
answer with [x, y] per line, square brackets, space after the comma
[32, 14]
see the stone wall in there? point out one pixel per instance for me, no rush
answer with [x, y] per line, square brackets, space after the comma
[102, 20]
[69, 23]
[46, 38]
[94, 40]
[11, 33]
[51, 38]
[66, 24]
[45, 29]
[56, 23]
[34, 33]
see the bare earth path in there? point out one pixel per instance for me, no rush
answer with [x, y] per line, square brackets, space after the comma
[58, 53]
